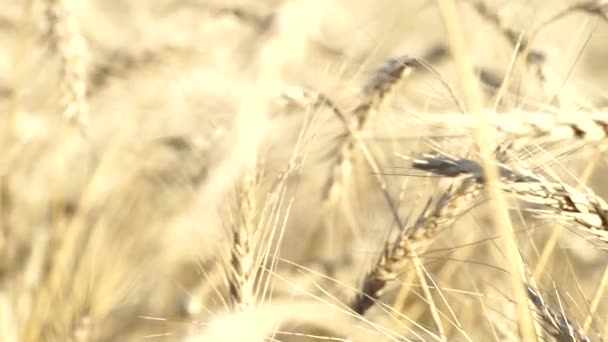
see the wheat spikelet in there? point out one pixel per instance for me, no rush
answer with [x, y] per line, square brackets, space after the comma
[72, 49]
[555, 322]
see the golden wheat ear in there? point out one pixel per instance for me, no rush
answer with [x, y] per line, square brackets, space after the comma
[243, 267]
[560, 200]
[71, 47]
[436, 217]
[375, 93]
[380, 86]
[532, 127]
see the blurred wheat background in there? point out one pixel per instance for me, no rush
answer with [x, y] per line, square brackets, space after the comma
[303, 170]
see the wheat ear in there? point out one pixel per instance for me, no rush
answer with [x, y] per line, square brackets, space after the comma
[241, 274]
[554, 321]
[564, 201]
[512, 35]
[123, 63]
[566, 126]
[451, 205]
[534, 59]
[71, 46]
[375, 94]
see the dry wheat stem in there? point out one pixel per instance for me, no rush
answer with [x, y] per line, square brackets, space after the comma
[473, 100]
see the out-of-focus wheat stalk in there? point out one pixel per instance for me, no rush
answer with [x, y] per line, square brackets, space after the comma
[473, 100]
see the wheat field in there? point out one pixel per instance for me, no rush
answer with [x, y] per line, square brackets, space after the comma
[303, 170]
